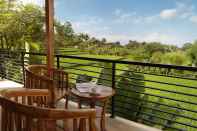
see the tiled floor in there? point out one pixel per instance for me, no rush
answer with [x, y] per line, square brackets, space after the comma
[117, 124]
[6, 84]
[120, 124]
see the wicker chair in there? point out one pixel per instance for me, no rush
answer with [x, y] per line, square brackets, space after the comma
[36, 77]
[24, 117]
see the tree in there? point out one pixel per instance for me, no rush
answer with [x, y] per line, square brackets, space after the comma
[64, 34]
[6, 14]
[186, 46]
[153, 47]
[132, 44]
[176, 58]
[156, 57]
[192, 52]
[103, 40]
[84, 37]
[20, 25]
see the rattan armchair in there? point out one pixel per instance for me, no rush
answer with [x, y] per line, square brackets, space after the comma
[36, 77]
[21, 111]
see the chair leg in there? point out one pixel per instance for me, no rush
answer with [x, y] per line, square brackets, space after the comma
[66, 102]
[66, 125]
[102, 121]
[79, 104]
[50, 125]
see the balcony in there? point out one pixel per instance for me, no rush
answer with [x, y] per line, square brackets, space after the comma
[156, 95]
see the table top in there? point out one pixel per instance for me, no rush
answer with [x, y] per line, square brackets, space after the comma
[104, 93]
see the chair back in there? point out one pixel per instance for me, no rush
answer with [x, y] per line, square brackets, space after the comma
[36, 77]
[58, 76]
[60, 79]
[20, 117]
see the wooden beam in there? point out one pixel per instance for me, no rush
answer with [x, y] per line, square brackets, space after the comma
[49, 18]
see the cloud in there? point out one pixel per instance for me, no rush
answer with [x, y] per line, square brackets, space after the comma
[123, 17]
[116, 37]
[96, 26]
[87, 21]
[182, 10]
[187, 12]
[162, 37]
[168, 13]
[150, 19]
[117, 12]
[165, 38]
[91, 25]
[193, 19]
[149, 37]
[159, 37]
[99, 31]
[141, 37]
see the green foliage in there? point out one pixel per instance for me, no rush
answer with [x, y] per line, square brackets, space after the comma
[19, 25]
[155, 47]
[64, 34]
[35, 47]
[186, 46]
[105, 77]
[176, 58]
[129, 92]
[156, 57]
[11, 70]
[192, 52]
[170, 114]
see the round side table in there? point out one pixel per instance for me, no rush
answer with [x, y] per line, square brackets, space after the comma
[105, 93]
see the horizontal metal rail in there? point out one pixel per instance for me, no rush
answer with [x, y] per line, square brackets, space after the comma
[164, 97]
[159, 82]
[156, 74]
[159, 117]
[154, 109]
[157, 103]
[150, 121]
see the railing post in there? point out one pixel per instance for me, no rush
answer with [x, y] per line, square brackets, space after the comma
[58, 62]
[2, 65]
[113, 86]
[23, 65]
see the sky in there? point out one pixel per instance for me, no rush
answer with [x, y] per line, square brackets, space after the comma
[166, 21]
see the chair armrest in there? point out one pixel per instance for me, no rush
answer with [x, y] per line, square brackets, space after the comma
[25, 92]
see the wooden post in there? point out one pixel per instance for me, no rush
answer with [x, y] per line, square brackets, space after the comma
[49, 18]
